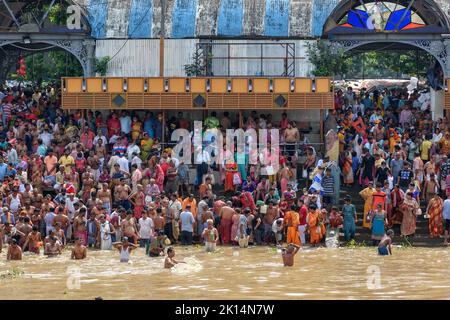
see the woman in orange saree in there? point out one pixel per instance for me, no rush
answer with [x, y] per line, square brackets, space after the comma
[434, 211]
[292, 221]
[315, 225]
[347, 169]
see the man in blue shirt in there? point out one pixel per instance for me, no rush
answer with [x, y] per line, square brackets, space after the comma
[7, 217]
[158, 127]
[148, 124]
[3, 169]
[187, 226]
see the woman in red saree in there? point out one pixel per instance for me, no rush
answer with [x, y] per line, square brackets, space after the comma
[434, 211]
[230, 170]
[157, 173]
[409, 209]
[113, 126]
[397, 198]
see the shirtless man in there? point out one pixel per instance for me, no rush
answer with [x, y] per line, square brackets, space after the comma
[29, 208]
[385, 245]
[289, 253]
[25, 228]
[129, 229]
[14, 251]
[271, 215]
[80, 226]
[211, 236]
[79, 250]
[93, 162]
[26, 194]
[61, 219]
[33, 241]
[158, 220]
[36, 199]
[170, 261]
[88, 183]
[104, 194]
[59, 234]
[52, 248]
[226, 214]
[291, 137]
[98, 210]
[122, 193]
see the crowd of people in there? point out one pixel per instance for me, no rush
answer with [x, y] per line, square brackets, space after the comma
[106, 181]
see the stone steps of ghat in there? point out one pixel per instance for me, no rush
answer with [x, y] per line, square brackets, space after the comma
[421, 238]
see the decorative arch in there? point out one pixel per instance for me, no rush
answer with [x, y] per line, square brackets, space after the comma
[436, 48]
[388, 16]
[16, 13]
[82, 50]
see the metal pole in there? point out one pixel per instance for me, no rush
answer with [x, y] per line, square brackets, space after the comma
[11, 14]
[261, 71]
[161, 38]
[229, 52]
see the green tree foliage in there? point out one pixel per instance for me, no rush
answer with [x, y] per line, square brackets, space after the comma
[57, 14]
[51, 66]
[327, 62]
[196, 68]
[101, 65]
[381, 64]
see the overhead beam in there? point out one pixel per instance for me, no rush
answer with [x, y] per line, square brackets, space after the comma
[11, 13]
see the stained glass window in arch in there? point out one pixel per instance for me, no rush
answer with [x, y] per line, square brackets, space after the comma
[382, 16]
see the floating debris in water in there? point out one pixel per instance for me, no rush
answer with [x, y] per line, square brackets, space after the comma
[12, 274]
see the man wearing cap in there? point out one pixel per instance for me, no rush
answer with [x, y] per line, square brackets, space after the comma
[187, 225]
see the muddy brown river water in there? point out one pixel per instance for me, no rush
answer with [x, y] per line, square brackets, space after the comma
[233, 273]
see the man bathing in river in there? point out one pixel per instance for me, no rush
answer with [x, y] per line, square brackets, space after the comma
[79, 250]
[170, 261]
[289, 253]
[125, 249]
[53, 247]
[33, 241]
[385, 246]
[211, 236]
[14, 251]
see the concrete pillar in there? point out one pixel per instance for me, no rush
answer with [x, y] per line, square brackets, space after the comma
[447, 62]
[437, 104]
[90, 64]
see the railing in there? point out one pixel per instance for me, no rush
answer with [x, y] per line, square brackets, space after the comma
[299, 148]
[197, 93]
[447, 96]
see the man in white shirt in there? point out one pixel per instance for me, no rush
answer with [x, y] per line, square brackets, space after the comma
[146, 230]
[124, 164]
[112, 161]
[125, 123]
[100, 136]
[136, 160]
[46, 137]
[132, 149]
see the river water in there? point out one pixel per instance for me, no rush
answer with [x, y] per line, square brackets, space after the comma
[233, 273]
